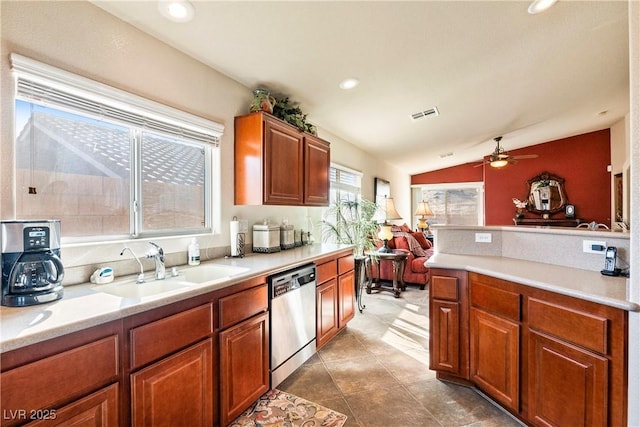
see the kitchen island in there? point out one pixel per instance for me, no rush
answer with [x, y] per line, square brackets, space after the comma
[546, 342]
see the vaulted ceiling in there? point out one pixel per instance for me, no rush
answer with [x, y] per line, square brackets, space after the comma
[489, 67]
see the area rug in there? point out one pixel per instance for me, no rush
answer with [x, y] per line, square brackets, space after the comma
[279, 409]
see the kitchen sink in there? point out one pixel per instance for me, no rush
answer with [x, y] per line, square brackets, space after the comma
[130, 289]
[208, 273]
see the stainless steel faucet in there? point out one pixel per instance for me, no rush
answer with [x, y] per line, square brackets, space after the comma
[140, 278]
[158, 256]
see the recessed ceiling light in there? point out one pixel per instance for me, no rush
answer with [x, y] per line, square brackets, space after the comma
[538, 6]
[176, 10]
[349, 83]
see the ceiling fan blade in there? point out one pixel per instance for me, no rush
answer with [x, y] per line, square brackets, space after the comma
[525, 156]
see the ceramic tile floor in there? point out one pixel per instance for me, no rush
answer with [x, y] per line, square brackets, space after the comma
[376, 372]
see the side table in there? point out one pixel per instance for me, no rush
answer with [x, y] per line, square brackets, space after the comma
[399, 259]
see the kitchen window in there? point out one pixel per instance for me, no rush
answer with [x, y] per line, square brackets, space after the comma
[107, 163]
[345, 183]
[452, 204]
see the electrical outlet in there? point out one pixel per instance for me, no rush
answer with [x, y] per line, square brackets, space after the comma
[593, 246]
[483, 237]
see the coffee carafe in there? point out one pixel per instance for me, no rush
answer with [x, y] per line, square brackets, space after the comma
[32, 271]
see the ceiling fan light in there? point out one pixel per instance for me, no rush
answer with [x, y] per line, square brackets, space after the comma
[539, 6]
[500, 163]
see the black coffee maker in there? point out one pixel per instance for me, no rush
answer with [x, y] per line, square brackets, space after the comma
[32, 272]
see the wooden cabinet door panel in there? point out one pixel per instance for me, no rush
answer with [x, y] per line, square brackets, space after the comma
[99, 409]
[327, 311]
[316, 170]
[444, 353]
[176, 391]
[495, 355]
[567, 385]
[346, 295]
[244, 365]
[283, 156]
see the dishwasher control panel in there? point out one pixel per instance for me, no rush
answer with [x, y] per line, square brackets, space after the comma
[291, 280]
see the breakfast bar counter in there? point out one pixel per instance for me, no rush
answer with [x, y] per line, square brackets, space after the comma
[574, 282]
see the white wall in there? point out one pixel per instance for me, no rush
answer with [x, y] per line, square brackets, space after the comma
[83, 39]
[634, 282]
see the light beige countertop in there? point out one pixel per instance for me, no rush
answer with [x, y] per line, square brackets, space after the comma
[84, 305]
[574, 282]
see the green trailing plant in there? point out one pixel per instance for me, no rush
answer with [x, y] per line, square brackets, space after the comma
[351, 222]
[289, 112]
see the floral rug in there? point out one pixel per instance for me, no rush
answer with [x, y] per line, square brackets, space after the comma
[279, 409]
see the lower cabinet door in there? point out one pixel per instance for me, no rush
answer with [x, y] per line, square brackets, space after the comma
[444, 320]
[244, 365]
[495, 356]
[567, 385]
[346, 293]
[176, 391]
[327, 311]
[99, 409]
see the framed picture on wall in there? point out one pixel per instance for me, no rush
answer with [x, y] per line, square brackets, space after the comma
[618, 196]
[381, 189]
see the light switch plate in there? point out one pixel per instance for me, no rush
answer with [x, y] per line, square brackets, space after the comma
[483, 237]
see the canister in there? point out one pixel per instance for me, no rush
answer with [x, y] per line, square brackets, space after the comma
[266, 238]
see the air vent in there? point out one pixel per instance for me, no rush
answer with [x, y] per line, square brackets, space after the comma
[426, 113]
[445, 155]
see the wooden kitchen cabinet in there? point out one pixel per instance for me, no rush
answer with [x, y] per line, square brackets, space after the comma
[577, 362]
[326, 311]
[178, 390]
[277, 164]
[335, 296]
[495, 340]
[55, 380]
[244, 351]
[550, 359]
[448, 326]
[171, 365]
[346, 290]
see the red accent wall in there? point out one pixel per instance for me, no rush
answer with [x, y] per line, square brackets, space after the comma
[581, 160]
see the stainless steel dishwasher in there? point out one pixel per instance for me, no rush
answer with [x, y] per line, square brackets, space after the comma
[292, 320]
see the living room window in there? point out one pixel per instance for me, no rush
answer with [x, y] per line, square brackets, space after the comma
[452, 204]
[107, 163]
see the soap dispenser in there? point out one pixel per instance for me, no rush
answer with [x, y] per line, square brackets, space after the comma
[194, 252]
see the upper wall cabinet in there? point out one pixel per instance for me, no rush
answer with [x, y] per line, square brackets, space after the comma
[276, 164]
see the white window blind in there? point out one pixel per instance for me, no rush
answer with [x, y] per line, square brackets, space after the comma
[49, 86]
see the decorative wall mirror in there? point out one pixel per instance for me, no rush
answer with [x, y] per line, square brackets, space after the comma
[546, 194]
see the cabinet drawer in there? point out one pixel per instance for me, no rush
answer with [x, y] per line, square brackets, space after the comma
[242, 305]
[584, 329]
[326, 271]
[497, 301]
[157, 339]
[444, 288]
[345, 264]
[65, 376]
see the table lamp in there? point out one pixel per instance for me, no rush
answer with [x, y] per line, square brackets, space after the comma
[390, 213]
[423, 211]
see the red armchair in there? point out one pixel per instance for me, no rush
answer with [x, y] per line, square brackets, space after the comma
[419, 250]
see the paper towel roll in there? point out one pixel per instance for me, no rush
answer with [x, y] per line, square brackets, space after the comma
[234, 227]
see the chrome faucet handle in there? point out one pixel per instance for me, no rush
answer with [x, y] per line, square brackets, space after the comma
[157, 253]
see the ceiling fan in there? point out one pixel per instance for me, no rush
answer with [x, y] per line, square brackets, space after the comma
[500, 158]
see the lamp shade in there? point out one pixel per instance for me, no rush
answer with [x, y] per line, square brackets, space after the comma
[389, 210]
[423, 209]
